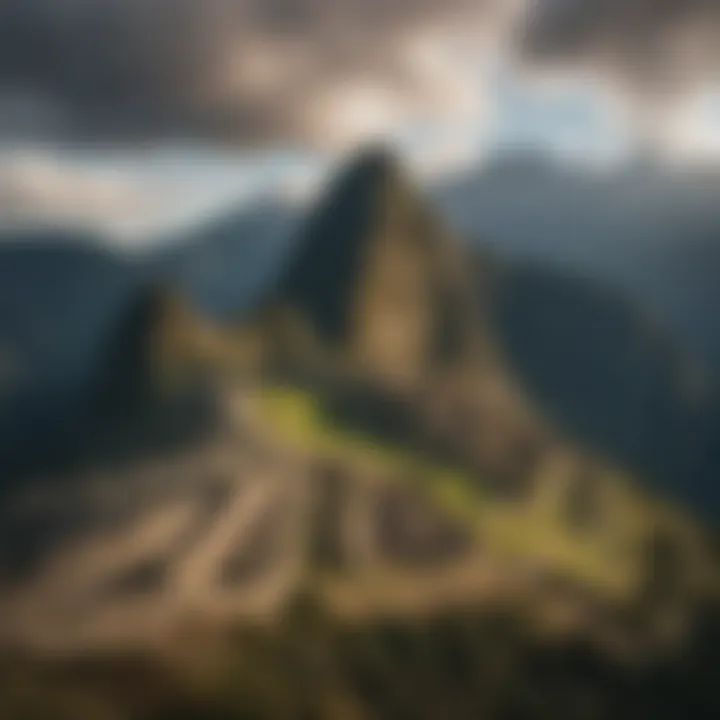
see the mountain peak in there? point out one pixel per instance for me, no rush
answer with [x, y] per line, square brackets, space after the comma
[150, 338]
[376, 162]
[332, 251]
[152, 392]
[373, 271]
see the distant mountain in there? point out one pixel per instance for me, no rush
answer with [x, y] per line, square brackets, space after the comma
[638, 230]
[225, 265]
[58, 295]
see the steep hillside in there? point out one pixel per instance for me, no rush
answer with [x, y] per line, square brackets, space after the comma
[358, 442]
[375, 274]
[610, 377]
[57, 297]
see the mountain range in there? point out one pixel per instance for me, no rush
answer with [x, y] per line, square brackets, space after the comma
[395, 425]
[647, 232]
[613, 376]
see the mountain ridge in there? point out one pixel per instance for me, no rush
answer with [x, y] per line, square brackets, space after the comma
[450, 485]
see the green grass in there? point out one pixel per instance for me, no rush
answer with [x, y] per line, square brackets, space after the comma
[521, 529]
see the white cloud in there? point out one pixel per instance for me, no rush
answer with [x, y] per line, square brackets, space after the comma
[40, 189]
[691, 134]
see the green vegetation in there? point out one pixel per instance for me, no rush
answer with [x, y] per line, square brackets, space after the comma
[305, 422]
[525, 530]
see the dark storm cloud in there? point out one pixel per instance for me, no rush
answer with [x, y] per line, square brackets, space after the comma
[266, 70]
[119, 66]
[246, 70]
[654, 45]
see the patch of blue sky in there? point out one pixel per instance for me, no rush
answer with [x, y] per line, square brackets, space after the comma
[574, 122]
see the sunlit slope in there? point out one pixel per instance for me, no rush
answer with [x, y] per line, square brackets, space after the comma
[378, 354]
[538, 529]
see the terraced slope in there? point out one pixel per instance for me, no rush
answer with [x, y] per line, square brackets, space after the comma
[360, 438]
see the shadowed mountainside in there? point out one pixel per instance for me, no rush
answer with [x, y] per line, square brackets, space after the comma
[648, 232]
[58, 298]
[613, 380]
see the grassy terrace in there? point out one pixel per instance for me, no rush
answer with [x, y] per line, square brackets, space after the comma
[523, 529]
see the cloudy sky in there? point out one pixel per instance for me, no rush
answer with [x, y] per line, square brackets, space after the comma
[134, 115]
